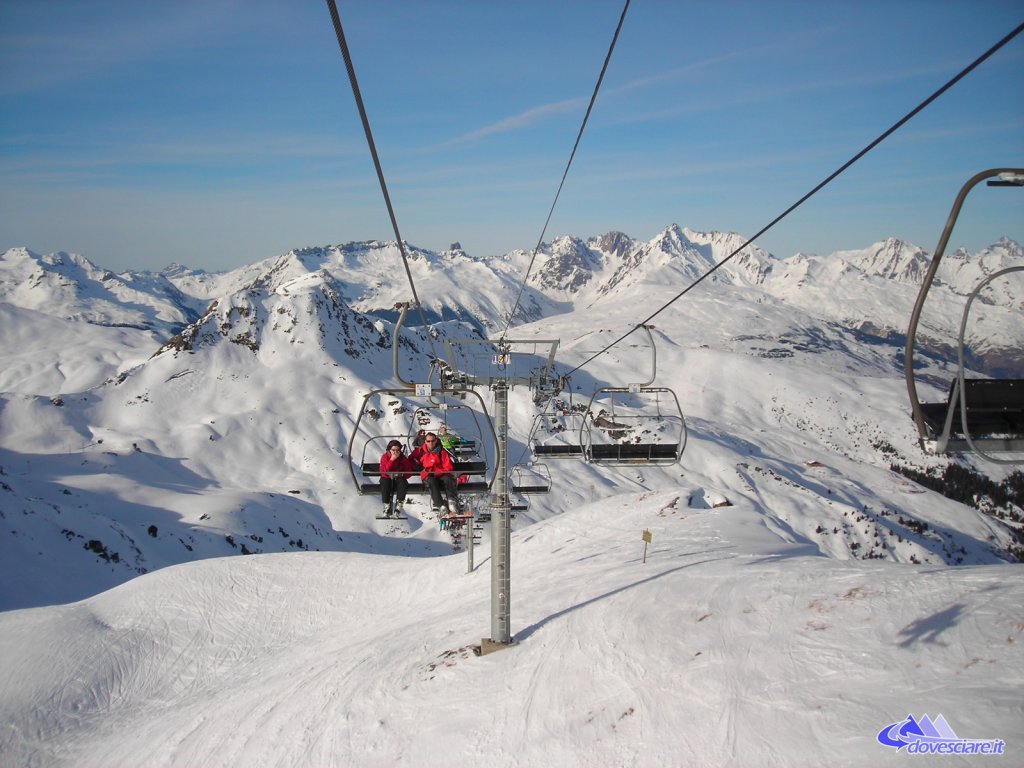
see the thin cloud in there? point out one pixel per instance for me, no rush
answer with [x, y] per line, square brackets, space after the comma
[536, 115]
[515, 122]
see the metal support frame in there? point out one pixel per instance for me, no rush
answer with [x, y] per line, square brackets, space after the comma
[545, 384]
[501, 527]
[1007, 177]
[541, 380]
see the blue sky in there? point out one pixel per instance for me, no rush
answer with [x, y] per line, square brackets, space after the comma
[218, 133]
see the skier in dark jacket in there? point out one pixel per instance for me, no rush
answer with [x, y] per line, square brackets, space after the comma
[437, 472]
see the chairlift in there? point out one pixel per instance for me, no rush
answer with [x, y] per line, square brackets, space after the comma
[981, 416]
[635, 424]
[556, 431]
[529, 479]
[368, 447]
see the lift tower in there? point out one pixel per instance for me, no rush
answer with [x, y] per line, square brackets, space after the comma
[502, 364]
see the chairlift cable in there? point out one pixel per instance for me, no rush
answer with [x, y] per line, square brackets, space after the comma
[898, 124]
[346, 55]
[579, 136]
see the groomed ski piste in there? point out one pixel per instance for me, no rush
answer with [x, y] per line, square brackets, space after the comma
[735, 643]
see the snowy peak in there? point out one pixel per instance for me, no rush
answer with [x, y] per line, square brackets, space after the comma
[963, 271]
[615, 244]
[284, 306]
[746, 259]
[892, 259]
[674, 243]
[569, 266]
[69, 286]
[287, 269]
[671, 250]
[455, 250]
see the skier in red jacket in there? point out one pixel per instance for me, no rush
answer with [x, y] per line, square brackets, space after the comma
[395, 469]
[437, 472]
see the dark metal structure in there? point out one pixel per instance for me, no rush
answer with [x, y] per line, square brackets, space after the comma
[981, 416]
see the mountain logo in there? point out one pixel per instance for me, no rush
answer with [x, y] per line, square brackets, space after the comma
[934, 737]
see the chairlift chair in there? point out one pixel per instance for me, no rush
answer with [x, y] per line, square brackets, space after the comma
[529, 479]
[981, 416]
[556, 432]
[634, 425]
[365, 471]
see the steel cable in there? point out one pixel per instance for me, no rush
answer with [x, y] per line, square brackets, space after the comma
[376, 163]
[565, 173]
[898, 124]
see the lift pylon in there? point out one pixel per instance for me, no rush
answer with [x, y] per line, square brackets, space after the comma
[497, 365]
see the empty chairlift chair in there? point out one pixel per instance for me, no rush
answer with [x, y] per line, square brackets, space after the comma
[982, 416]
[634, 424]
[556, 432]
[529, 479]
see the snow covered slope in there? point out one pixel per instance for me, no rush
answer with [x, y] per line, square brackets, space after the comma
[735, 643]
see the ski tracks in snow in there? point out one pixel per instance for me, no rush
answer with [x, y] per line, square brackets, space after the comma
[706, 652]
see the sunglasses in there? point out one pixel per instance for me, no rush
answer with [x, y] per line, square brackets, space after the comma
[431, 440]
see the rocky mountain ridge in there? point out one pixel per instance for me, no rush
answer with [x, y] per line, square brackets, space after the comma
[870, 290]
[369, 274]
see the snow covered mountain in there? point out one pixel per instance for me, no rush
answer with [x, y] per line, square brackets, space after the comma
[245, 385]
[69, 286]
[869, 290]
[157, 420]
